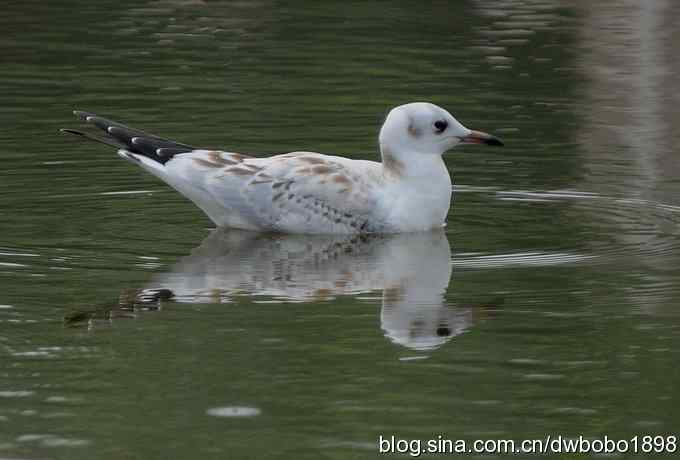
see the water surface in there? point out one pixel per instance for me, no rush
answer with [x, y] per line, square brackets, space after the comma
[548, 305]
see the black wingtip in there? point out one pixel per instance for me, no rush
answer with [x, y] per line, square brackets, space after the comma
[82, 115]
[71, 131]
[136, 141]
[101, 140]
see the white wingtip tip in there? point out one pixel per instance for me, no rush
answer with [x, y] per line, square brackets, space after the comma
[129, 156]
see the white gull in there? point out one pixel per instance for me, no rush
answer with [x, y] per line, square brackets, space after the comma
[308, 192]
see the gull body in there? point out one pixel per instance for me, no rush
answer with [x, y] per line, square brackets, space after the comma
[308, 192]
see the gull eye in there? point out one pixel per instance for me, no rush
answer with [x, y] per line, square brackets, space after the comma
[440, 126]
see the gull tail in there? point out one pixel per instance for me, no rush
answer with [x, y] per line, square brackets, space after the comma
[135, 145]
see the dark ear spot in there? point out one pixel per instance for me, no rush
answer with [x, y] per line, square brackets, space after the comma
[413, 130]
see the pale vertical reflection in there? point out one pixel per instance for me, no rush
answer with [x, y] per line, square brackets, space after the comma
[630, 124]
[631, 128]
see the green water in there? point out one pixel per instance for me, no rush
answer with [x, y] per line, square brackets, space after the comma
[548, 305]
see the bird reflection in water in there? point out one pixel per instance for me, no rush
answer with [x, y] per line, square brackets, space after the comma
[413, 271]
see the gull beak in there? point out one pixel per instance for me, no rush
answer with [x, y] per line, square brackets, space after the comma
[478, 137]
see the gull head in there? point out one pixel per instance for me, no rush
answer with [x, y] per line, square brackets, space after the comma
[424, 128]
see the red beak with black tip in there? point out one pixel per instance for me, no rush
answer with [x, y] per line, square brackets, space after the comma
[478, 137]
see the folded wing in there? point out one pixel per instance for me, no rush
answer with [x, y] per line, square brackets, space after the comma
[302, 192]
[295, 192]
